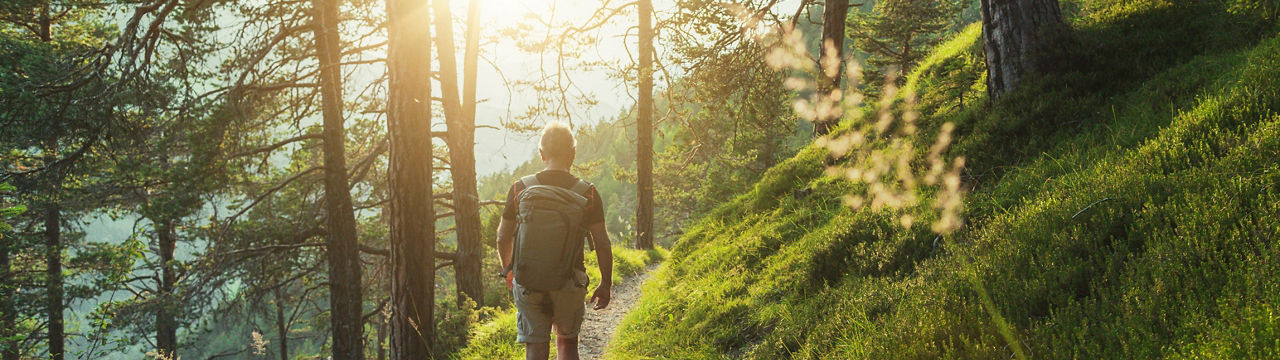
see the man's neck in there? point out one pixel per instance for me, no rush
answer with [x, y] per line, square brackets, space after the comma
[558, 164]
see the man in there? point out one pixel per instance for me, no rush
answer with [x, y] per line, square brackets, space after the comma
[538, 312]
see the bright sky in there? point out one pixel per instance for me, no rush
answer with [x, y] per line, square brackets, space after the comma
[497, 150]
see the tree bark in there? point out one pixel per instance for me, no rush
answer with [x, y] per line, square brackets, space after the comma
[53, 235]
[282, 327]
[469, 267]
[834, 13]
[53, 281]
[1014, 34]
[166, 325]
[644, 131]
[343, 247]
[411, 212]
[8, 312]
[45, 23]
[461, 141]
[382, 339]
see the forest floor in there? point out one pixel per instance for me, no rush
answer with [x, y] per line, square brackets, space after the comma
[598, 326]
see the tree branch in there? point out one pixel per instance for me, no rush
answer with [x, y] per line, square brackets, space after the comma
[374, 251]
[278, 145]
[362, 167]
[268, 193]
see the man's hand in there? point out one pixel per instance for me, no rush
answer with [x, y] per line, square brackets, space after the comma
[600, 297]
[506, 244]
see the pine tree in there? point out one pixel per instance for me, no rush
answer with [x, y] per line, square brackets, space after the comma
[644, 130]
[412, 214]
[899, 33]
[1015, 35]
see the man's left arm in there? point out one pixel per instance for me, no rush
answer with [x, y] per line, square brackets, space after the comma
[604, 257]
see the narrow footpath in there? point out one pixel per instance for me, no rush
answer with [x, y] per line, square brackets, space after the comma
[598, 326]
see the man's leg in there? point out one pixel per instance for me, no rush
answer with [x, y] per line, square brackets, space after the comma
[533, 323]
[537, 351]
[569, 310]
[566, 348]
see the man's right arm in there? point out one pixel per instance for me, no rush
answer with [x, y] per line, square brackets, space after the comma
[507, 233]
[506, 242]
[604, 257]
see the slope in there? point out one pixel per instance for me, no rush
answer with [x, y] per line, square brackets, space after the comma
[1125, 208]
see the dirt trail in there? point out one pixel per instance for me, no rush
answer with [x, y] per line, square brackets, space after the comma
[598, 326]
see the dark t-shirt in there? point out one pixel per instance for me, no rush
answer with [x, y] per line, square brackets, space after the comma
[561, 178]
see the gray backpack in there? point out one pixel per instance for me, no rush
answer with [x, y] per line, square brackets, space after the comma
[549, 236]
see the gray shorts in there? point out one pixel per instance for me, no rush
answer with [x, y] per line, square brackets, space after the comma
[538, 312]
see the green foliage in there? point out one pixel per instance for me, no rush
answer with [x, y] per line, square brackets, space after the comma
[953, 74]
[898, 33]
[494, 339]
[8, 211]
[1120, 209]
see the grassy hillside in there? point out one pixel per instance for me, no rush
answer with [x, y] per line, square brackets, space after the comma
[1127, 207]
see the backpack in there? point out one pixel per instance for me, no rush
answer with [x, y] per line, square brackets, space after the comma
[549, 233]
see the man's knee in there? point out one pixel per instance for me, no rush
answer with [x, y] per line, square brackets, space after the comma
[567, 348]
[538, 351]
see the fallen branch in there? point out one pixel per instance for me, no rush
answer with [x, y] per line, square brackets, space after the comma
[1090, 206]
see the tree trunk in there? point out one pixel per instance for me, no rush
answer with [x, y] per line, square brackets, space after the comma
[53, 235]
[834, 13]
[382, 339]
[342, 244]
[644, 131]
[904, 67]
[282, 327]
[412, 216]
[8, 312]
[462, 158]
[44, 23]
[469, 267]
[471, 61]
[166, 325]
[53, 281]
[1014, 34]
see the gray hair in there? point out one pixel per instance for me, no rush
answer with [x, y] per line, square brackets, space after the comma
[557, 140]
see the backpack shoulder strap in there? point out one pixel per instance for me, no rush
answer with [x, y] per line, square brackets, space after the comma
[582, 188]
[530, 181]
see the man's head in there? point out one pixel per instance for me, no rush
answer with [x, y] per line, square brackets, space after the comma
[557, 144]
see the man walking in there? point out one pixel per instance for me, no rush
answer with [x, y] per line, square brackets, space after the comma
[540, 242]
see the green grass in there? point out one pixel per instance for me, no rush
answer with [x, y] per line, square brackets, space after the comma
[495, 338]
[1126, 207]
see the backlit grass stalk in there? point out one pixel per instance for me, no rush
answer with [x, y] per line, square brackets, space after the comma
[879, 152]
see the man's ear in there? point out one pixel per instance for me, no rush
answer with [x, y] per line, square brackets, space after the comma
[543, 155]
